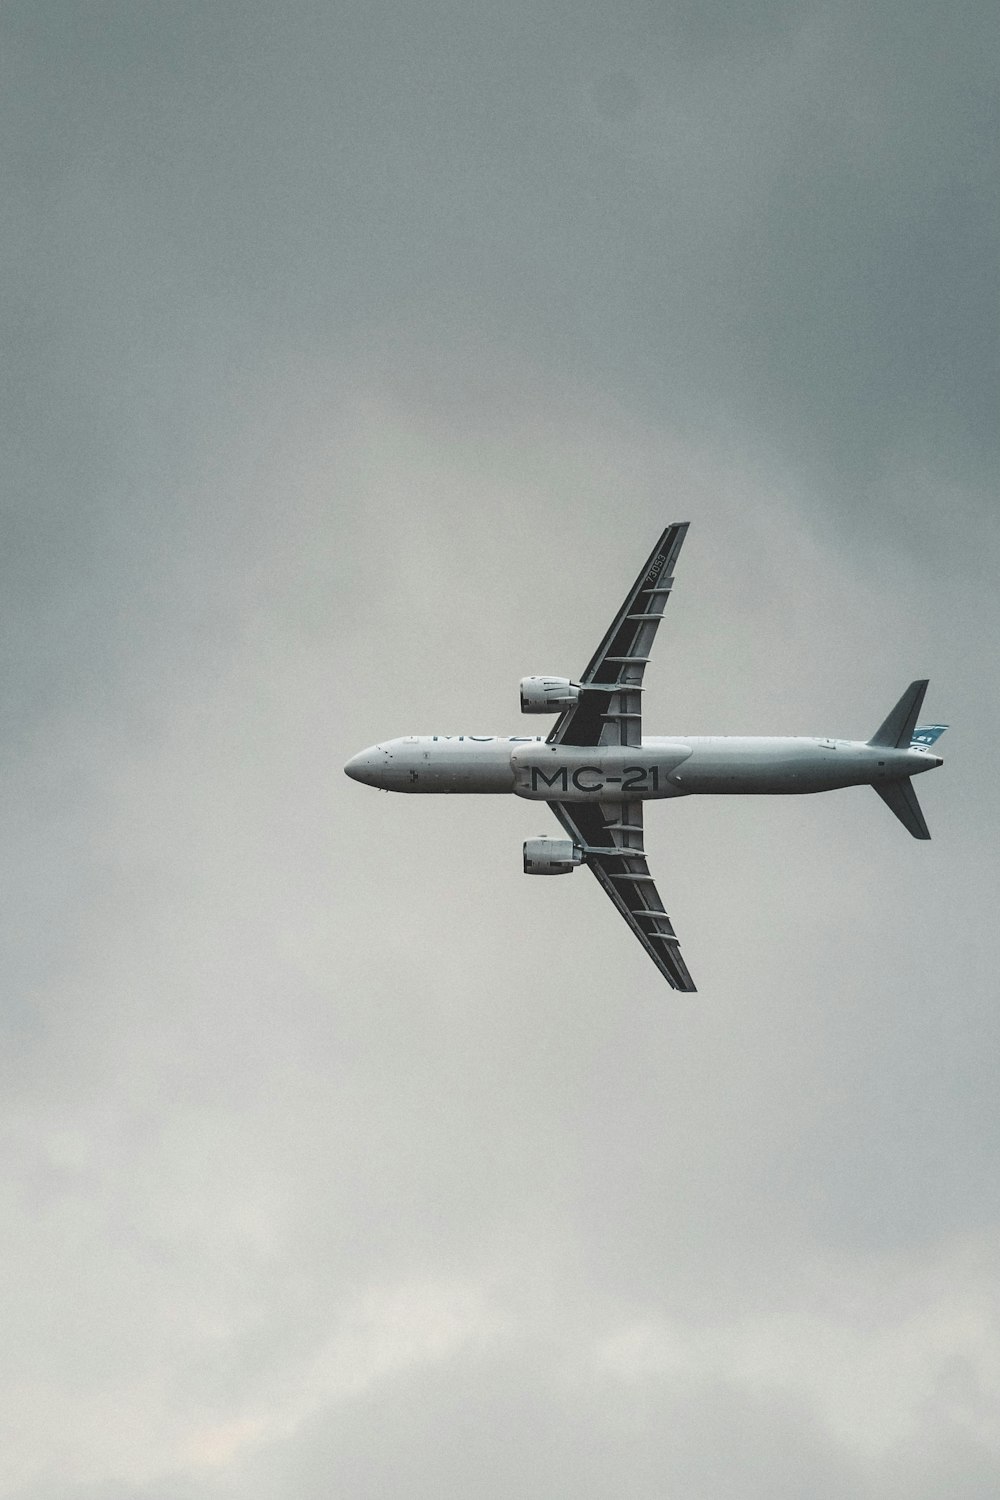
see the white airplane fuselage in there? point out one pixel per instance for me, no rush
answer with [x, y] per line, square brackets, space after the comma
[678, 766]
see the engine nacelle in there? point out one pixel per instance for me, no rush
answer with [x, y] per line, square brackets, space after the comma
[547, 695]
[545, 856]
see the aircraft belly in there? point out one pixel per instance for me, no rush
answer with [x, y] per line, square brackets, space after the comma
[471, 766]
[657, 769]
[476, 776]
[773, 768]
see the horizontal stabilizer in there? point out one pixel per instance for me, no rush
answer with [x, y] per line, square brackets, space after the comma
[897, 730]
[901, 799]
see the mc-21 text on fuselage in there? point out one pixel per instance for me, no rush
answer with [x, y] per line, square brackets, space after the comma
[550, 773]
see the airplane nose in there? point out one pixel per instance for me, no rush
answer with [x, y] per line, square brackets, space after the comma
[364, 767]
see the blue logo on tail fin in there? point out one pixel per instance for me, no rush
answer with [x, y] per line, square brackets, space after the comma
[927, 734]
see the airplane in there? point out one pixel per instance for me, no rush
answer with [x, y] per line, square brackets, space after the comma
[595, 770]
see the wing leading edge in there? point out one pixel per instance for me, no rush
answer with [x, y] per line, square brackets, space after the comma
[610, 835]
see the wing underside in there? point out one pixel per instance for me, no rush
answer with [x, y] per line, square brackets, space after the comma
[609, 710]
[610, 834]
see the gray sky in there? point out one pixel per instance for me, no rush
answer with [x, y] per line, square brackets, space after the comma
[354, 354]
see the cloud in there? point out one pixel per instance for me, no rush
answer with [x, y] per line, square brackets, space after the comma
[350, 361]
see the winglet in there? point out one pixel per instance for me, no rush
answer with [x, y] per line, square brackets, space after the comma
[900, 798]
[895, 732]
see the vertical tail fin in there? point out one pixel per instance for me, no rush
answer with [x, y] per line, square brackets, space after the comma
[900, 798]
[927, 734]
[896, 731]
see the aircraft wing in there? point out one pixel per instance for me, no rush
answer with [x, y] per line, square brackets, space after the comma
[610, 833]
[609, 710]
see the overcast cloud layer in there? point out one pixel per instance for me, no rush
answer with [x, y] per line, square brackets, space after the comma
[354, 355]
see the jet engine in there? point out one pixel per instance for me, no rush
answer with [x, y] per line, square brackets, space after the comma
[547, 695]
[545, 856]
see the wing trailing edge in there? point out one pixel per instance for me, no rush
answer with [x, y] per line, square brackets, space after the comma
[610, 836]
